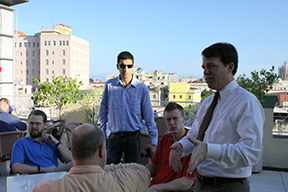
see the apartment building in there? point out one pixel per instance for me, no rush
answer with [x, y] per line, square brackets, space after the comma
[182, 93]
[50, 52]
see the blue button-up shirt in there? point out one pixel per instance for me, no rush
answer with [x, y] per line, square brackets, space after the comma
[122, 107]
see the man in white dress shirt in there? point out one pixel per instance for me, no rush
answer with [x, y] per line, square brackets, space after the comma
[233, 139]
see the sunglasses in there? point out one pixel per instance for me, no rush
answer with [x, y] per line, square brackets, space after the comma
[124, 66]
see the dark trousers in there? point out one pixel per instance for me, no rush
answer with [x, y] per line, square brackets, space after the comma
[118, 143]
[243, 186]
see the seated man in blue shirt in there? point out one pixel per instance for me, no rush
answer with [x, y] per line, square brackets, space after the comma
[125, 100]
[38, 152]
[9, 122]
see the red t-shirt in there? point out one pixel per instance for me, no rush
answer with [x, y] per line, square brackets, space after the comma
[165, 173]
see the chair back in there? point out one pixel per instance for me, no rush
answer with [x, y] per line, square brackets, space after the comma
[7, 140]
[70, 126]
[161, 126]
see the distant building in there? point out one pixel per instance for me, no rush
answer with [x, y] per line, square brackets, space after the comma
[50, 52]
[187, 80]
[111, 76]
[172, 76]
[283, 71]
[182, 93]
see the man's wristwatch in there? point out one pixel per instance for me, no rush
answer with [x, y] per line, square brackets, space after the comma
[58, 144]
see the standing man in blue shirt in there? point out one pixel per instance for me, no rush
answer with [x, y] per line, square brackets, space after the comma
[125, 101]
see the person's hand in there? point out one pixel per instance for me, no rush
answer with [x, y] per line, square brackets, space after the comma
[175, 156]
[152, 148]
[153, 188]
[50, 138]
[199, 153]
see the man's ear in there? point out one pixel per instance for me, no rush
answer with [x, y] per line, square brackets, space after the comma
[117, 66]
[231, 67]
[184, 118]
[102, 151]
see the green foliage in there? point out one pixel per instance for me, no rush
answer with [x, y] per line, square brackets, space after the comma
[91, 105]
[260, 83]
[58, 93]
[205, 93]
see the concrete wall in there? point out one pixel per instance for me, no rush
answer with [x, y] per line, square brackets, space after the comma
[275, 148]
[72, 113]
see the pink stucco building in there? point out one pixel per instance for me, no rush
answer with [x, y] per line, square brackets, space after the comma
[50, 52]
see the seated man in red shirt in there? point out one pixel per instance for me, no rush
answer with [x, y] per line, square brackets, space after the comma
[165, 178]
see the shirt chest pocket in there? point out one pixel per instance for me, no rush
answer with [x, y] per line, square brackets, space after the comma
[134, 105]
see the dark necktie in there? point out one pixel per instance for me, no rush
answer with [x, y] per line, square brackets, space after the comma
[207, 118]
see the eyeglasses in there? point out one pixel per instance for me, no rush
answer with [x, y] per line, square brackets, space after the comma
[35, 123]
[124, 66]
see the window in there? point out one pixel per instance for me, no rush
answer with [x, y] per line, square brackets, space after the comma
[47, 79]
[37, 44]
[189, 97]
[29, 44]
[20, 53]
[45, 43]
[27, 72]
[63, 71]
[15, 44]
[60, 43]
[25, 44]
[47, 71]
[52, 52]
[21, 72]
[26, 53]
[63, 43]
[20, 44]
[33, 53]
[63, 52]
[67, 43]
[20, 62]
[52, 62]
[47, 62]
[39, 72]
[47, 52]
[63, 61]
[174, 96]
[33, 62]
[26, 62]
[54, 43]
[26, 80]
[180, 96]
[52, 71]
[34, 44]
[33, 72]
[48, 43]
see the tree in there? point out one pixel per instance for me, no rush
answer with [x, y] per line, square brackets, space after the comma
[91, 104]
[260, 83]
[205, 93]
[58, 93]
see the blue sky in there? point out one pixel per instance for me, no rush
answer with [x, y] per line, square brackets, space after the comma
[167, 34]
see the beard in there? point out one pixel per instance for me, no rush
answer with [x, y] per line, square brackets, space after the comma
[35, 133]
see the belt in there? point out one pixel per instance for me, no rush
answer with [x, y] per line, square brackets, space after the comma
[126, 133]
[218, 180]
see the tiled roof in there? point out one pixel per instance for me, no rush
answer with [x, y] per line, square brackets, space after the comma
[19, 33]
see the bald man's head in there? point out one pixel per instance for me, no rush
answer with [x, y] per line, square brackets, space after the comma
[86, 141]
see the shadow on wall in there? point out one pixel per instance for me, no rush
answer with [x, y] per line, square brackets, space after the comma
[73, 113]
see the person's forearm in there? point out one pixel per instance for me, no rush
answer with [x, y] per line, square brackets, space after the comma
[23, 168]
[66, 153]
[183, 183]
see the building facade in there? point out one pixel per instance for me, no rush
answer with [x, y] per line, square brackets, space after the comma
[283, 71]
[51, 52]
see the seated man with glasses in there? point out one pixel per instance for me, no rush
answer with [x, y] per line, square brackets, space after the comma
[38, 152]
